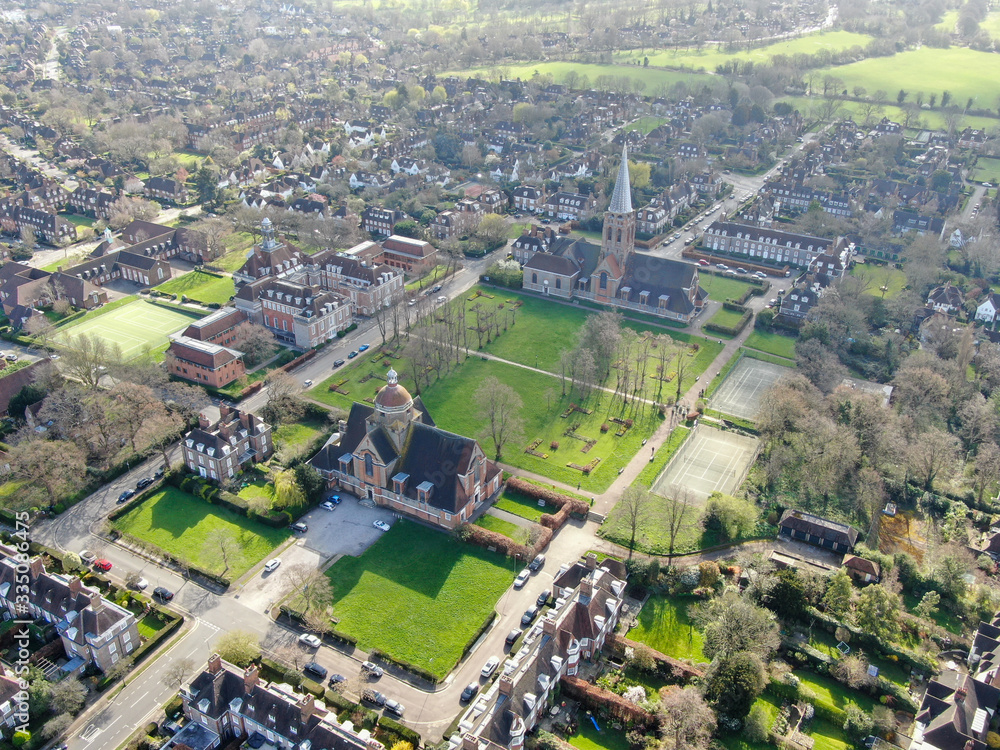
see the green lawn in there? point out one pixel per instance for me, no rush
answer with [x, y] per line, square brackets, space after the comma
[519, 505]
[933, 119]
[292, 439]
[149, 625]
[428, 279]
[651, 536]
[876, 277]
[724, 317]
[736, 741]
[135, 327]
[987, 170]
[721, 288]
[826, 643]
[79, 220]
[654, 468]
[201, 287]
[588, 738]
[418, 595]
[500, 526]
[711, 57]
[833, 694]
[664, 625]
[237, 244]
[257, 488]
[181, 524]
[646, 124]
[772, 343]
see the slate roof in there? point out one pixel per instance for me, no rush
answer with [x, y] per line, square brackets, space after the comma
[660, 276]
[799, 520]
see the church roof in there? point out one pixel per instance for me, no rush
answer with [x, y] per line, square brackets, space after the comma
[621, 198]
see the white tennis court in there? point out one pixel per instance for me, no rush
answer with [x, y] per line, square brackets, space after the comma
[709, 461]
[741, 391]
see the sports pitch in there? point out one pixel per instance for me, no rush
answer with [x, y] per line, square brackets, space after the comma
[709, 461]
[740, 393]
[135, 327]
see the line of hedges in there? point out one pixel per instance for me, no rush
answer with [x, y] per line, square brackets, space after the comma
[475, 636]
[729, 330]
[603, 700]
[215, 495]
[98, 312]
[483, 537]
[335, 635]
[734, 306]
[556, 498]
[731, 421]
[402, 732]
[774, 359]
[376, 655]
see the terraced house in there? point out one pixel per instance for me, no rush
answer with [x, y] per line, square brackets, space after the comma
[770, 245]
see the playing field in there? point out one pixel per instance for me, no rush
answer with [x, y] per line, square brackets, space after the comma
[709, 461]
[135, 327]
[741, 392]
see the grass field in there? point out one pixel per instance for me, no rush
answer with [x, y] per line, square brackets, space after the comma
[237, 244]
[933, 119]
[722, 288]
[519, 505]
[418, 595]
[500, 526]
[724, 317]
[664, 625]
[773, 343]
[436, 274]
[987, 170]
[646, 124]
[201, 287]
[711, 57]
[135, 327]
[828, 692]
[587, 737]
[181, 524]
[290, 440]
[878, 276]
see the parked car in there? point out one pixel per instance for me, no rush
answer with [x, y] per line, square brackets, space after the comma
[12, 357]
[102, 564]
[537, 563]
[161, 592]
[490, 666]
[436, 288]
[158, 474]
[543, 598]
[87, 556]
[170, 728]
[142, 584]
[529, 616]
[352, 355]
[335, 499]
[336, 679]
[338, 362]
[703, 262]
[722, 266]
[522, 578]
[307, 383]
[760, 274]
[373, 696]
[126, 496]
[394, 707]
[272, 565]
[144, 483]
[363, 348]
[328, 506]
[300, 527]
[311, 640]
[380, 525]
[372, 669]
[742, 271]
[511, 637]
[315, 668]
[470, 692]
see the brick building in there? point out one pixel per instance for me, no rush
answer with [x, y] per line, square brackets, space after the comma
[203, 362]
[220, 450]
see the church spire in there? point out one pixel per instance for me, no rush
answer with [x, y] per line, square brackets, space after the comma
[621, 199]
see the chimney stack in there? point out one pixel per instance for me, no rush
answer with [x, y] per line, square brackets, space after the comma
[250, 678]
[587, 587]
[469, 741]
[37, 567]
[591, 561]
[214, 664]
[549, 625]
[75, 586]
[203, 421]
[96, 601]
[306, 706]
[506, 686]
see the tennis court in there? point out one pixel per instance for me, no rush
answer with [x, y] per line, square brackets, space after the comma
[709, 461]
[134, 327]
[740, 393]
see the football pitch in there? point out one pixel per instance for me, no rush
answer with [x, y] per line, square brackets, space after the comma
[135, 327]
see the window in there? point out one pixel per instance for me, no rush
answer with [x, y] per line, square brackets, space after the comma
[369, 465]
[534, 278]
[604, 280]
[558, 283]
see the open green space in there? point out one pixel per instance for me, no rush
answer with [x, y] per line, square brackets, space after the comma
[820, 689]
[943, 617]
[810, 107]
[587, 737]
[711, 57]
[664, 625]
[291, 440]
[876, 277]
[183, 525]
[649, 78]
[826, 643]
[200, 286]
[519, 505]
[966, 73]
[987, 170]
[721, 287]
[652, 536]
[418, 595]
[78, 220]
[646, 124]
[772, 343]
[727, 318]
[257, 488]
[500, 526]
[237, 244]
[428, 279]
[188, 159]
[135, 327]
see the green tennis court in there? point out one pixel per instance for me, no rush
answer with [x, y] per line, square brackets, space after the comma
[134, 327]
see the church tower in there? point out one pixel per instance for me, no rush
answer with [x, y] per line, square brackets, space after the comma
[618, 240]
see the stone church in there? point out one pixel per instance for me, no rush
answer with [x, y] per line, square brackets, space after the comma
[391, 453]
[615, 274]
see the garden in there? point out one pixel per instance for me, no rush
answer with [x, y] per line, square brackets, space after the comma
[664, 625]
[777, 344]
[200, 286]
[418, 595]
[189, 529]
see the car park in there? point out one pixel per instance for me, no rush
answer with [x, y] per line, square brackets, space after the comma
[372, 669]
[395, 707]
[338, 362]
[161, 592]
[311, 640]
[144, 483]
[512, 636]
[102, 564]
[490, 666]
[470, 692]
[299, 527]
[272, 565]
[126, 496]
[315, 668]
[537, 563]
[529, 616]
[363, 348]
[380, 525]
[352, 355]
[522, 578]
[543, 598]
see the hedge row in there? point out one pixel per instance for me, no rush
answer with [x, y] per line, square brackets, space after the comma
[668, 667]
[916, 661]
[376, 655]
[616, 706]
[213, 494]
[402, 732]
[534, 492]
[729, 330]
[734, 306]
[492, 539]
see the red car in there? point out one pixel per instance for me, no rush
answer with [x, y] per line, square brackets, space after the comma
[102, 564]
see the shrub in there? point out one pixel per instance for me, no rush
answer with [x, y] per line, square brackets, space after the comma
[554, 445]
[756, 725]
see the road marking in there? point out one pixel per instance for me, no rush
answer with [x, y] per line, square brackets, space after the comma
[133, 703]
[90, 733]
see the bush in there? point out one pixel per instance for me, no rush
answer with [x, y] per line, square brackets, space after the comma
[757, 724]
[402, 732]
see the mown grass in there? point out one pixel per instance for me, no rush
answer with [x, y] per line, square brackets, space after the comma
[182, 525]
[727, 318]
[721, 288]
[418, 595]
[588, 737]
[201, 287]
[664, 625]
[772, 343]
[522, 506]
[500, 526]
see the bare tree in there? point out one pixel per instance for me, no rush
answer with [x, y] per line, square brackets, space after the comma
[635, 507]
[500, 406]
[677, 510]
[175, 675]
[222, 542]
[255, 341]
[282, 397]
[686, 720]
[87, 358]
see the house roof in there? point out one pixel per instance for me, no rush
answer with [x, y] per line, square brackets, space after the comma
[799, 520]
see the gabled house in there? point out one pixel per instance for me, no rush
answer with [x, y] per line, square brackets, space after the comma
[821, 532]
[219, 451]
[946, 299]
[989, 308]
[862, 570]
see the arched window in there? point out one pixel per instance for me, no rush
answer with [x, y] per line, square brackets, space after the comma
[609, 233]
[369, 466]
[619, 236]
[534, 278]
[558, 283]
[604, 280]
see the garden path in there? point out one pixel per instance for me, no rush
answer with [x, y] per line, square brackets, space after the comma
[503, 515]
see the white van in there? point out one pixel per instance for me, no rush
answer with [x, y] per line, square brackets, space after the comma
[441, 299]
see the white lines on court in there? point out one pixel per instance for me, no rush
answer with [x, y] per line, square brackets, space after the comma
[743, 388]
[710, 461]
